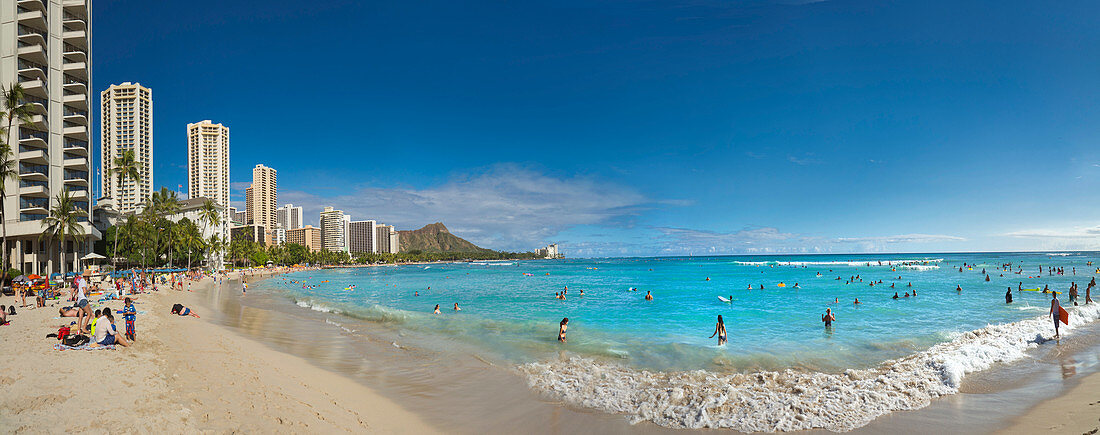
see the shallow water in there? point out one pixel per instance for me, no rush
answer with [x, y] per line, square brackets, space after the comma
[509, 308]
[781, 371]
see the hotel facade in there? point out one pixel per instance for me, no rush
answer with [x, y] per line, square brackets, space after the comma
[126, 114]
[45, 46]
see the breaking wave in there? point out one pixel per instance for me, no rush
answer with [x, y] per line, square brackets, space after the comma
[929, 262]
[791, 400]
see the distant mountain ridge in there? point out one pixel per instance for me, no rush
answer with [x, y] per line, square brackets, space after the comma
[436, 238]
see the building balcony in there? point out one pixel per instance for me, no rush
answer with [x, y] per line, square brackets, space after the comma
[78, 193]
[76, 131]
[78, 38]
[38, 5]
[34, 52]
[32, 137]
[73, 22]
[76, 182]
[34, 156]
[38, 104]
[34, 190]
[73, 53]
[34, 172]
[77, 100]
[77, 147]
[33, 204]
[32, 35]
[76, 162]
[75, 117]
[76, 69]
[31, 17]
[75, 84]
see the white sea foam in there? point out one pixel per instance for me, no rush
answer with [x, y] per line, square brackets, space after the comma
[313, 305]
[791, 400]
[1059, 254]
[854, 263]
[486, 263]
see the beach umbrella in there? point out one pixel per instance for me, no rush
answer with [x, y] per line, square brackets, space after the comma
[33, 276]
[21, 279]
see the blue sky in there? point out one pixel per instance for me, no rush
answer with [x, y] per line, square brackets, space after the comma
[644, 128]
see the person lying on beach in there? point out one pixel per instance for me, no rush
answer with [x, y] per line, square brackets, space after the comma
[564, 325]
[181, 310]
[67, 312]
[436, 309]
[648, 296]
[828, 318]
[1008, 296]
[720, 331]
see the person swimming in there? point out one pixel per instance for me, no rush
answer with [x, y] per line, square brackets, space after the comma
[906, 295]
[457, 308]
[828, 318]
[436, 309]
[720, 331]
[648, 295]
[895, 295]
[857, 302]
[562, 327]
[416, 293]
[958, 288]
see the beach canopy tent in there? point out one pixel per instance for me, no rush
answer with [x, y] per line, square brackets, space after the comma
[92, 256]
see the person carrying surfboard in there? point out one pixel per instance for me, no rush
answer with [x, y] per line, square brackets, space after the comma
[1056, 312]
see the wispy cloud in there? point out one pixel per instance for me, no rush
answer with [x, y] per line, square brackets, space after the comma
[804, 160]
[1061, 233]
[763, 240]
[505, 206]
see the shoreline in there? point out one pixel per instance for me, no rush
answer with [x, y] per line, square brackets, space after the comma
[200, 375]
[184, 373]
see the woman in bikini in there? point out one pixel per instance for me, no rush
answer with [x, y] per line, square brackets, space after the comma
[720, 331]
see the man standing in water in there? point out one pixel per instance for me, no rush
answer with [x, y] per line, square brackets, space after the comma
[1008, 296]
[828, 318]
[1055, 307]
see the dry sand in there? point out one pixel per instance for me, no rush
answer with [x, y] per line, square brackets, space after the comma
[182, 375]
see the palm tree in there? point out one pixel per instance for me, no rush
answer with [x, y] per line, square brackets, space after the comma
[209, 215]
[63, 221]
[164, 203]
[14, 109]
[125, 167]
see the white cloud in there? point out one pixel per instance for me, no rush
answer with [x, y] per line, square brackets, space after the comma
[505, 206]
[763, 240]
[1062, 233]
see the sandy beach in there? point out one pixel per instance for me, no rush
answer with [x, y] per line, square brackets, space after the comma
[1077, 411]
[182, 373]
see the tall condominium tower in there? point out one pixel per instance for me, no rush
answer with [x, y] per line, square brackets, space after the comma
[45, 47]
[126, 114]
[386, 239]
[333, 230]
[261, 200]
[208, 162]
[361, 237]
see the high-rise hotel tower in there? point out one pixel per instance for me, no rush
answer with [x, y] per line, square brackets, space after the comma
[126, 111]
[45, 47]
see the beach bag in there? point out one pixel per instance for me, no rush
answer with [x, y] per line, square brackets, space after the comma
[62, 332]
[75, 340]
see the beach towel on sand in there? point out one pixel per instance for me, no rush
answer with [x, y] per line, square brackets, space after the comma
[60, 346]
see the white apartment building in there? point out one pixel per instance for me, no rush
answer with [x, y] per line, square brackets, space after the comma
[45, 46]
[126, 115]
[386, 241]
[289, 217]
[333, 230]
[361, 237]
[208, 166]
[192, 210]
[261, 200]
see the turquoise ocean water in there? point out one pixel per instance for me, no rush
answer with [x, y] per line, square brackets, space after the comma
[509, 309]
